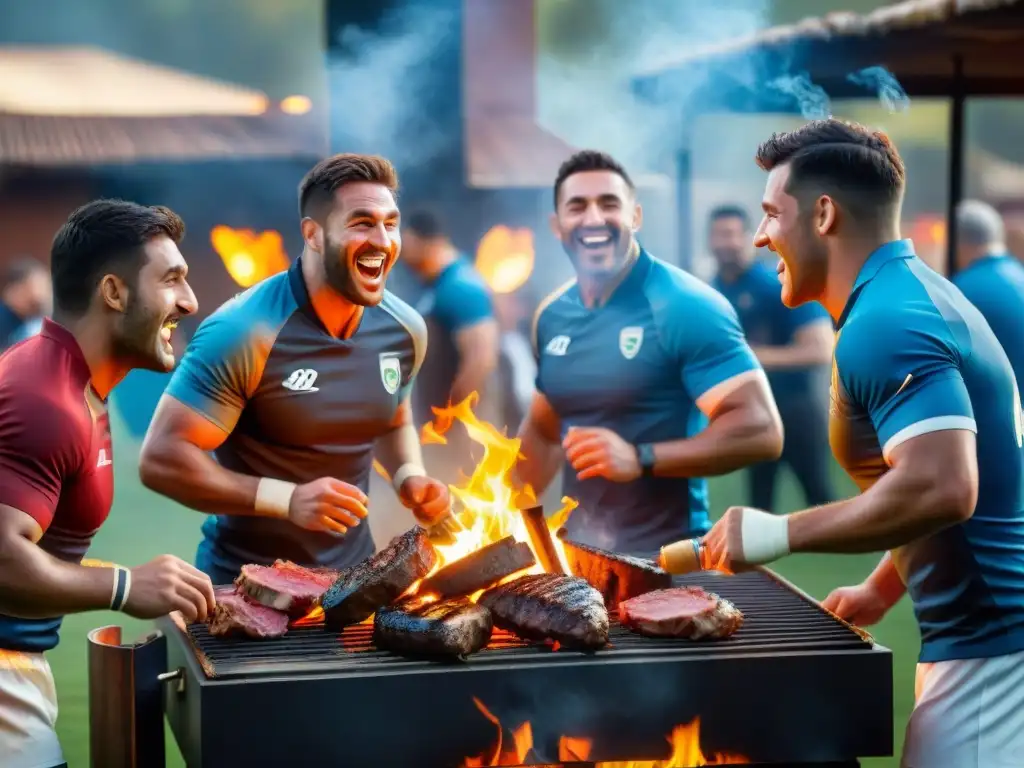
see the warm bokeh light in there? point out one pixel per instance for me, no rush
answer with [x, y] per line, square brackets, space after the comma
[505, 258]
[296, 105]
[249, 257]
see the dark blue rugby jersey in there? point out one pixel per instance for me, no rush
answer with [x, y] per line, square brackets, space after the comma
[299, 404]
[913, 356]
[637, 366]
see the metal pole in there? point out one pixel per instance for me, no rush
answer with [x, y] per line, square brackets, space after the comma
[956, 160]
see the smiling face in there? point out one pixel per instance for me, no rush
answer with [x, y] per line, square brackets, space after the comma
[159, 297]
[796, 236]
[596, 218]
[360, 241]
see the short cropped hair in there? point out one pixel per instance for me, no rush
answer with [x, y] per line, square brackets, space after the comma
[100, 238]
[316, 191]
[858, 166]
[589, 160]
[978, 223]
[424, 222]
[729, 212]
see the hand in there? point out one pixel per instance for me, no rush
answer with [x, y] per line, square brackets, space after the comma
[599, 452]
[327, 505]
[428, 499]
[744, 537]
[169, 584]
[862, 604]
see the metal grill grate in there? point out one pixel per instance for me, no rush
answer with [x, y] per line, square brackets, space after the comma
[777, 620]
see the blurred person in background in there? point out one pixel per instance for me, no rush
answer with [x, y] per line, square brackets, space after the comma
[991, 278]
[26, 298]
[294, 385]
[462, 353]
[120, 287]
[645, 382]
[795, 349]
[517, 367]
[926, 418]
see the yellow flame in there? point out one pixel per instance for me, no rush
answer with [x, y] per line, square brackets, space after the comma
[249, 257]
[505, 258]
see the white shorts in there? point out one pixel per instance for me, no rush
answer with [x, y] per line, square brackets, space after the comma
[969, 713]
[28, 712]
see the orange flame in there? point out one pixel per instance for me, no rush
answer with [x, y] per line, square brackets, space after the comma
[249, 257]
[685, 743]
[504, 258]
[487, 503]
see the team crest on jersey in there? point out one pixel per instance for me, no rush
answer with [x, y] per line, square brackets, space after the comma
[390, 372]
[630, 341]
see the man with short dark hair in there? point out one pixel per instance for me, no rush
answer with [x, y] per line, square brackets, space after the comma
[293, 384]
[794, 347]
[645, 383]
[119, 288]
[991, 278]
[26, 297]
[926, 418]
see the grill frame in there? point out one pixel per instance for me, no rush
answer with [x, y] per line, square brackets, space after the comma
[761, 699]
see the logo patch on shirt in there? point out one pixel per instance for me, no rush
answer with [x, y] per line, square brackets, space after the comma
[558, 345]
[390, 371]
[301, 380]
[102, 460]
[630, 341]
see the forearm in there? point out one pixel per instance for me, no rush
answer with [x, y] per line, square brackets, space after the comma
[731, 441]
[886, 581]
[35, 585]
[398, 447]
[896, 510]
[181, 471]
[790, 356]
[541, 460]
[471, 377]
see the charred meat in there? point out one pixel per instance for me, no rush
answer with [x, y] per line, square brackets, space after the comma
[550, 606]
[688, 612]
[481, 569]
[379, 580]
[617, 577]
[285, 586]
[421, 626]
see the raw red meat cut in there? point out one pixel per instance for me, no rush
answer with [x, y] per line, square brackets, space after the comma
[237, 615]
[688, 612]
[285, 586]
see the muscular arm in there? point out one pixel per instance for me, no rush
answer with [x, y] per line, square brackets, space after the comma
[744, 428]
[176, 463]
[811, 346]
[541, 446]
[36, 585]
[401, 445]
[933, 484]
[477, 347]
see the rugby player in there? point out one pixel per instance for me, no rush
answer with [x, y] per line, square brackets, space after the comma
[926, 418]
[294, 384]
[119, 289]
[645, 383]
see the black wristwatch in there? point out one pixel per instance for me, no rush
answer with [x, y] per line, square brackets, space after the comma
[645, 455]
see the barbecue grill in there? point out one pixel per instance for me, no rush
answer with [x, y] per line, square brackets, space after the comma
[795, 686]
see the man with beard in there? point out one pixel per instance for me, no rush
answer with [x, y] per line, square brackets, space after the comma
[795, 348]
[645, 382]
[293, 385]
[119, 288]
[926, 418]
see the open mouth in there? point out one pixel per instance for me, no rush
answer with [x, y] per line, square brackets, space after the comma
[167, 330]
[595, 240]
[371, 266]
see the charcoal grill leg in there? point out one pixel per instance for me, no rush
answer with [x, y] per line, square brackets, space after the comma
[126, 714]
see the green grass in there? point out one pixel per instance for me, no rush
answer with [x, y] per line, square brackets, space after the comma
[143, 525]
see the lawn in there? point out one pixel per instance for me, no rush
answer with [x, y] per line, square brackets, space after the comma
[143, 525]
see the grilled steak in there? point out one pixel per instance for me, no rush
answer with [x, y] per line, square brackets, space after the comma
[617, 577]
[285, 586]
[418, 626]
[681, 612]
[550, 606]
[481, 569]
[235, 614]
[379, 580]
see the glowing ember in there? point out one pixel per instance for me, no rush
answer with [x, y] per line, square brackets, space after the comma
[685, 743]
[487, 504]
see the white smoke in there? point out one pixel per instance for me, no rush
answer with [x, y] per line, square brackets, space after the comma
[884, 85]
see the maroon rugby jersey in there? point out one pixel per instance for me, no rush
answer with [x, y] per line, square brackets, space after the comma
[56, 461]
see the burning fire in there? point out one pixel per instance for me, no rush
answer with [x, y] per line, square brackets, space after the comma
[249, 257]
[684, 740]
[505, 258]
[487, 503]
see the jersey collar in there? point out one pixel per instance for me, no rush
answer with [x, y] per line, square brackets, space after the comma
[897, 249]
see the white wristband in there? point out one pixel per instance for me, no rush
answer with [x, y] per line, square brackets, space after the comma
[765, 537]
[122, 587]
[405, 472]
[273, 497]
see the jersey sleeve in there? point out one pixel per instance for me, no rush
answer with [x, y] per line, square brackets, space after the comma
[703, 333]
[463, 305]
[39, 447]
[905, 376]
[221, 367]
